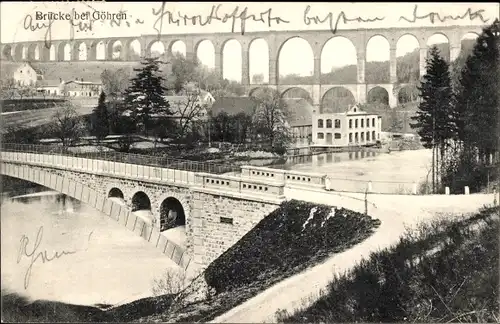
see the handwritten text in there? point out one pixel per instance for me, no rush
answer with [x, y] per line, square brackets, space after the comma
[35, 255]
[433, 16]
[203, 20]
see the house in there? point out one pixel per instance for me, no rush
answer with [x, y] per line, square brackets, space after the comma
[299, 117]
[80, 88]
[23, 74]
[50, 87]
[194, 105]
[353, 127]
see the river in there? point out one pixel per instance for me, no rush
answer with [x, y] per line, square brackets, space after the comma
[110, 265]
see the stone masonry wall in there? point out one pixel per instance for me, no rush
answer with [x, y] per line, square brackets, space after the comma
[208, 237]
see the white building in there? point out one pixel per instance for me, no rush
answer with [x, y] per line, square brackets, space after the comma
[23, 74]
[351, 128]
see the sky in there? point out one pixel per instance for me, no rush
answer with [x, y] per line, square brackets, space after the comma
[296, 55]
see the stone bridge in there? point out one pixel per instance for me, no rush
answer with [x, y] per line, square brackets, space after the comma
[214, 211]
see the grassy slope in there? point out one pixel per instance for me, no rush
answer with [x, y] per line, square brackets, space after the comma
[446, 271]
[276, 248]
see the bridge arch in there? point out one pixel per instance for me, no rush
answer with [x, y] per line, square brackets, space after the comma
[177, 46]
[408, 93]
[133, 49]
[116, 193]
[172, 214]
[258, 61]
[80, 51]
[378, 60]
[296, 93]
[115, 50]
[407, 57]
[338, 52]
[7, 52]
[337, 100]
[33, 52]
[442, 42]
[18, 52]
[378, 95]
[141, 201]
[231, 68]
[255, 92]
[304, 59]
[205, 53]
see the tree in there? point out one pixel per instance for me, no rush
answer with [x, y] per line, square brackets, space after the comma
[100, 122]
[477, 95]
[145, 96]
[434, 119]
[269, 120]
[187, 111]
[8, 88]
[395, 122]
[183, 71]
[258, 78]
[67, 125]
[114, 83]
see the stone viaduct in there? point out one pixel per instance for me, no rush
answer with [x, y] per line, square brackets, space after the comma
[55, 51]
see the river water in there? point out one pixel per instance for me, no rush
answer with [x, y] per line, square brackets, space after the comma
[109, 265]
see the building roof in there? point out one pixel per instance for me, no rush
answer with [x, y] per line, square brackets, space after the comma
[300, 111]
[8, 68]
[49, 83]
[234, 105]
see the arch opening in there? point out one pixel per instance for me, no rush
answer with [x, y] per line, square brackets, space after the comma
[295, 62]
[467, 44]
[205, 52]
[408, 94]
[171, 214]
[178, 47]
[52, 53]
[339, 62]
[337, 100]
[407, 59]
[258, 56]
[296, 93]
[100, 51]
[441, 42]
[377, 60]
[140, 201]
[378, 96]
[134, 53]
[116, 193]
[231, 61]
[157, 49]
[82, 52]
[7, 52]
[117, 51]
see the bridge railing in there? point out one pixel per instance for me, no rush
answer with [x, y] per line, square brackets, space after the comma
[145, 160]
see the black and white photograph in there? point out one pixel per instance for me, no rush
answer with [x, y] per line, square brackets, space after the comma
[250, 162]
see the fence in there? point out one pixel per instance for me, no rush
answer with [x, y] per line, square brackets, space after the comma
[145, 160]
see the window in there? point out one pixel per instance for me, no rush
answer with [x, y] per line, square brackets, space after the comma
[338, 136]
[362, 136]
[367, 136]
[321, 136]
[367, 122]
[337, 123]
[373, 122]
[350, 123]
[328, 123]
[362, 123]
[373, 135]
[356, 137]
[350, 137]
[356, 123]
[354, 109]
[320, 123]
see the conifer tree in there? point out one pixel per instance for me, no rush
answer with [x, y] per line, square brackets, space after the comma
[145, 94]
[100, 123]
[477, 101]
[434, 119]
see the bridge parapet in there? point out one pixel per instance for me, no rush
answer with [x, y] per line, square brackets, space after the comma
[238, 184]
[284, 176]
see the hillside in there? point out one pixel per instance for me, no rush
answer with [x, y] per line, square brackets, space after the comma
[446, 271]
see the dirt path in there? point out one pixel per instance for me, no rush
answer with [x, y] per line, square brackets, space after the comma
[394, 212]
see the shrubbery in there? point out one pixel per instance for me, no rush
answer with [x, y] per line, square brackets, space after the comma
[291, 238]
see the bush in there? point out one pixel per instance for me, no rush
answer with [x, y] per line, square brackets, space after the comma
[289, 239]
